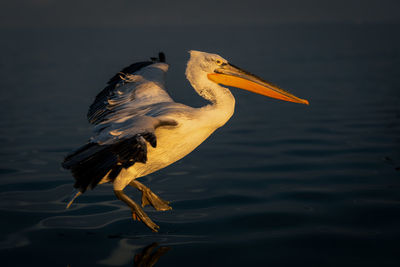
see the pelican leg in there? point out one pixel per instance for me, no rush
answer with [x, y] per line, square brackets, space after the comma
[137, 212]
[148, 197]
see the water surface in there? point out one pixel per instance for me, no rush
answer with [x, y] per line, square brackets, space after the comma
[280, 185]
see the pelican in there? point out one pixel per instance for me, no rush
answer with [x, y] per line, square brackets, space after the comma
[139, 129]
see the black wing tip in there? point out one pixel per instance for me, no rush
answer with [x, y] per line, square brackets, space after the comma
[161, 58]
[151, 138]
[136, 67]
[131, 69]
[90, 163]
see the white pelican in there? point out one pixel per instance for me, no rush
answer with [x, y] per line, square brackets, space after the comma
[135, 110]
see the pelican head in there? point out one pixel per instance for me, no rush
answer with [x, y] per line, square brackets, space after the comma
[220, 71]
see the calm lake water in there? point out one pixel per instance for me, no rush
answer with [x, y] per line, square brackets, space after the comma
[281, 184]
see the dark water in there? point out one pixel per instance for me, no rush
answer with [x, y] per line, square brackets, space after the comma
[280, 185]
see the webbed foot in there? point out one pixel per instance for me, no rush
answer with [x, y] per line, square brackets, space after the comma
[149, 198]
[137, 212]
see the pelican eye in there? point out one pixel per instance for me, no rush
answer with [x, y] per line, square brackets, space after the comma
[219, 62]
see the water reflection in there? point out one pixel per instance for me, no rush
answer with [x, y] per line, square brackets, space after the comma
[147, 257]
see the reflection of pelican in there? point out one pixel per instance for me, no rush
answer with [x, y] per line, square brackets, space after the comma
[134, 109]
[122, 253]
[146, 258]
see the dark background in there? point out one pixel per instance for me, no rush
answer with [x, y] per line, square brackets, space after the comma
[122, 13]
[280, 184]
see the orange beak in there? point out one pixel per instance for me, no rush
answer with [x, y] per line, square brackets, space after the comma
[231, 75]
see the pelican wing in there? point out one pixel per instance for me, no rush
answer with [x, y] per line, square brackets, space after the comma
[128, 91]
[126, 114]
[95, 160]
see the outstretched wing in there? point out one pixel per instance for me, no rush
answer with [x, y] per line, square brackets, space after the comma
[132, 88]
[126, 114]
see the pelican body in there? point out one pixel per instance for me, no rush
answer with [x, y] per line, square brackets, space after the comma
[139, 129]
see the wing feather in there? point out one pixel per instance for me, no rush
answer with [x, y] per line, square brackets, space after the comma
[125, 114]
[142, 83]
[95, 160]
